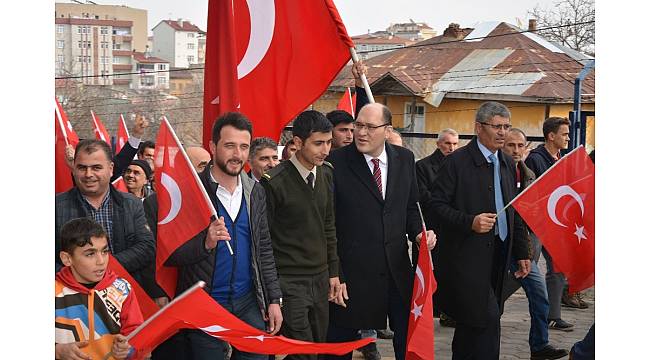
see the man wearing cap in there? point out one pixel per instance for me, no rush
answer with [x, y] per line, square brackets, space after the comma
[136, 177]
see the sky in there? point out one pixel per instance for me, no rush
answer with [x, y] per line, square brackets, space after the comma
[360, 16]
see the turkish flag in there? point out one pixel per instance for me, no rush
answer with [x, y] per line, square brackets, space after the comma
[100, 129]
[147, 306]
[347, 102]
[120, 185]
[195, 309]
[419, 338]
[63, 135]
[184, 208]
[122, 135]
[270, 59]
[559, 209]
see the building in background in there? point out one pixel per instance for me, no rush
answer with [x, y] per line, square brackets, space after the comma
[371, 45]
[137, 17]
[177, 42]
[414, 31]
[149, 72]
[93, 48]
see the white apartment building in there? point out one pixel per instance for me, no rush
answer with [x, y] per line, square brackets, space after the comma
[177, 42]
[149, 72]
[93, 48]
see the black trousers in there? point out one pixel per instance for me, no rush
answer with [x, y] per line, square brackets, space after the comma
[483, 343]
[306, 309]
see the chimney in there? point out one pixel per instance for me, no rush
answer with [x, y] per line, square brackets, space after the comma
[180, 22]
[147, 52]
[453, 31]
[532, 24]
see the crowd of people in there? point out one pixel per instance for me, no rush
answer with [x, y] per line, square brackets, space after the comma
[314, 243]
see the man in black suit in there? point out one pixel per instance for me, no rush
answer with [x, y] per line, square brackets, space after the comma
[472, 188]
[375, 194]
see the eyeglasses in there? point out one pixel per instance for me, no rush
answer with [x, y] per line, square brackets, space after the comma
[360, 126]
[505, 127]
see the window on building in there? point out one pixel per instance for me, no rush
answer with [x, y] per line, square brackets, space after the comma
[117, 46]
[104, 60]
[103, 30]
[60, 59]
[162, 80]
[162, 66]
[60, 44]
[190, 35]
[60, 29]
[190, 46]
[147, 81]
[190, 59]
[104, 45]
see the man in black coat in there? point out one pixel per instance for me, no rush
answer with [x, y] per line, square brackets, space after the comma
[426, 170]
[472, 188]
[375, 194]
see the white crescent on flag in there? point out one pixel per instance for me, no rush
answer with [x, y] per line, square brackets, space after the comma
[262, 20]
[175, 196]
[556, 195]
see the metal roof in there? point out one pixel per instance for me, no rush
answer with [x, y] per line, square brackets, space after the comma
[519, 66]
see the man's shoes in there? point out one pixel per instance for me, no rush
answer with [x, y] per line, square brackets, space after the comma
[370, 352]
[573, 301]
[446, 321]
[548, 352]
[560, 324]
[583, 304]
[385, 334]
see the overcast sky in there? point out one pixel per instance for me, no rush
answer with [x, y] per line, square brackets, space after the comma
[361, 15]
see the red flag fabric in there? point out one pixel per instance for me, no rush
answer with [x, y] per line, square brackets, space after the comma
[347, 102]
[419, 338]
[122, 135]
[184, 209]
[559, 209]
[120, 185]
[63, 135]
[147, 306]
[272, 58]
[100, 129]
[195, 309]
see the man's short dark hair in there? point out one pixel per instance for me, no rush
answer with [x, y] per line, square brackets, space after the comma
[237, 120]
[309, 122]
[552, 125]
[78, 233]
[89, 146]
[339, 117]
[262, 143]
[146, 145]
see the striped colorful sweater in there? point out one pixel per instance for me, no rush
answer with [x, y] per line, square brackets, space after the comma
[108, 309]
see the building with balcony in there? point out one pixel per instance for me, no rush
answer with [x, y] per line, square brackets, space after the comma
[149, 72]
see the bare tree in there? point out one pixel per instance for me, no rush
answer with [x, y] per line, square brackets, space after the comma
[580, 15]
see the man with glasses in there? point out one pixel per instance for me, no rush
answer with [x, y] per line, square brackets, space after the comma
[375, 194]
[473, 186]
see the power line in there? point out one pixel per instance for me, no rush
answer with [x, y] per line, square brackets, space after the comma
[361, 52]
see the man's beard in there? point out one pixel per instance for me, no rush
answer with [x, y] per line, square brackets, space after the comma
[224, 167]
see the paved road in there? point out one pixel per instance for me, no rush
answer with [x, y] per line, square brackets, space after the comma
[515, 324]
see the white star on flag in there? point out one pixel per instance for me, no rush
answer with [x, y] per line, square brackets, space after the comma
[580, 233]
[259, 337]
[417, 310]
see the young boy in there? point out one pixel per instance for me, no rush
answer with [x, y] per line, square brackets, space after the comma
[91, 299]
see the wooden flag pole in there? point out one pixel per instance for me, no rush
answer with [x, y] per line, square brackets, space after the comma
[355, 59]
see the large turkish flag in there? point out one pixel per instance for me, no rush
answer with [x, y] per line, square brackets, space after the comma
[184, 209]
[195, 309]
[559, 208]
[270, 59]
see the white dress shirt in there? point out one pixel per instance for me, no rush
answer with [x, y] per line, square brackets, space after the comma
[383, 166]
[232, 202]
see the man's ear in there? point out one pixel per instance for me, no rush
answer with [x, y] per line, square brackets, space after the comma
[66, 258]
[298, 142]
